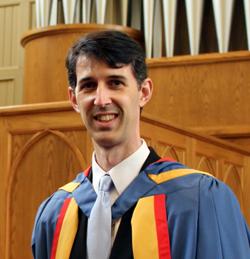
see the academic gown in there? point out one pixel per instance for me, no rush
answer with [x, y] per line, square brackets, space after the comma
[168, 211]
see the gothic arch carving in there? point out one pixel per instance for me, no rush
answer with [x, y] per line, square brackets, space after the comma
[205, 164]
[233, 177]
[12, 189]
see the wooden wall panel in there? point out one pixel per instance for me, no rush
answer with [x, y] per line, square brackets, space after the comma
[206, 90]
[9, 17]
[35, 171]
[206, 163]
[16, 17]
[229, 167]
[38, 156]
[168, 144]
[9, 35]
[7, 88]
[32, 14]
[233, 175]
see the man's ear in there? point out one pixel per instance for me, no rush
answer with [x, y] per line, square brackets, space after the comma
[72, 98]
[146, 91]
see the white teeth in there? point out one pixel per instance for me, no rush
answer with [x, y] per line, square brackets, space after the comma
[105, 117]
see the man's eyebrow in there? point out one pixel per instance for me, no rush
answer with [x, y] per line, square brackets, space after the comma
[117, 77]
[89, 78]
[85, 79]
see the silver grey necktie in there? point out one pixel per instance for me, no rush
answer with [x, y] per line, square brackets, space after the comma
[99, 223]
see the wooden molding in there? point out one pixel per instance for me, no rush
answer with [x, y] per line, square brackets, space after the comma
[78, 28]
[200, 59]
[224, 132]
[35, 108]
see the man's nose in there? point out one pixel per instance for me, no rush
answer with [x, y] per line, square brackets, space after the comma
[102, 96]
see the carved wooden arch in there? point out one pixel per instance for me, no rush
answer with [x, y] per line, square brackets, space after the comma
[205, 161]
[232, 173]
[16, 163]
[170, 151]
[167, 150]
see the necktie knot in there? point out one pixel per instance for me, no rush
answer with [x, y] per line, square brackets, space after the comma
[105, 183]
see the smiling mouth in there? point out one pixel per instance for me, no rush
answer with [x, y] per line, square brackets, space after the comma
[105, 117]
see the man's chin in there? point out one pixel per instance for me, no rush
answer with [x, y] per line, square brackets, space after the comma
[105, 141]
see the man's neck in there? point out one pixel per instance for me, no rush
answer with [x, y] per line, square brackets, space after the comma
[107, 158]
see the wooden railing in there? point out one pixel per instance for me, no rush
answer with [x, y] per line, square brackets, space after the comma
[238, 134]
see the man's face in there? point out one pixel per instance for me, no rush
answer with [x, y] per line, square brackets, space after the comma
[109, 101]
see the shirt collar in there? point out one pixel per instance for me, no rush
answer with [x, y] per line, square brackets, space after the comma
[123, 173]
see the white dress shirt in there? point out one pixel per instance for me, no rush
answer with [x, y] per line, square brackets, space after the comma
[121, 174]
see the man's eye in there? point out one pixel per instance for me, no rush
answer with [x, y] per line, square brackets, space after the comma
[115, 83]
[88, 86]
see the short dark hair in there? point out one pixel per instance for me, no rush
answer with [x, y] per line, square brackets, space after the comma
[113, 48]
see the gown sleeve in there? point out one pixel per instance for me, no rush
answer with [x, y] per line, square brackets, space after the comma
[222, 229]
[205, 221]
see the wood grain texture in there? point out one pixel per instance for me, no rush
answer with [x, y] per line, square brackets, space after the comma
[43, 146]
[35, 171]
[41, 175]
[206, 90]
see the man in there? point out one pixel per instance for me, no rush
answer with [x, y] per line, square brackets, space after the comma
[160, 208]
